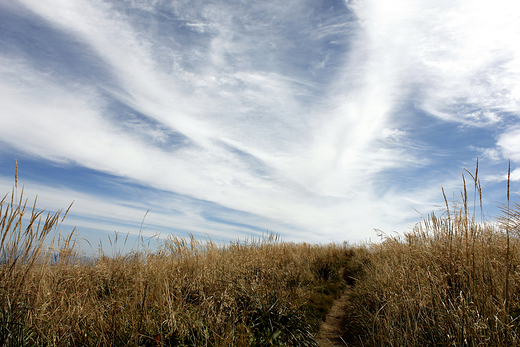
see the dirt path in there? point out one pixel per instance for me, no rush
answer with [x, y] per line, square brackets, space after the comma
[333, 328]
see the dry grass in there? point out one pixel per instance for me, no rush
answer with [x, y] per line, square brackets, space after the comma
[187, 292]
[451, 281]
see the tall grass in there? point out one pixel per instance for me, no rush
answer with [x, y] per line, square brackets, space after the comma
[22, 256]
[451, 281]
[186, 292]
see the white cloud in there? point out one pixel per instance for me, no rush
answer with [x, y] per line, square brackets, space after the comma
[492, 154]
[322, 155]
[509, 143]
[463, 55]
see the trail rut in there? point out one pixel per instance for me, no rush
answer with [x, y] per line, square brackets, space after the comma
[333, 328]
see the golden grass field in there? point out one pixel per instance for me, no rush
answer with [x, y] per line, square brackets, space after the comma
[453, 280]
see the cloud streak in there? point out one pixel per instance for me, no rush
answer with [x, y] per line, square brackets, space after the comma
[296, 117]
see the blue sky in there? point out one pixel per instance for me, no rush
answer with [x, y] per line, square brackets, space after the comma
[317, 120]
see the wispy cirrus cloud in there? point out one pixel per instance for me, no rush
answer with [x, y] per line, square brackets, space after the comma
[300, 117]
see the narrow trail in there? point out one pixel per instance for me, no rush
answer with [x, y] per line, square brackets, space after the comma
[333, 328]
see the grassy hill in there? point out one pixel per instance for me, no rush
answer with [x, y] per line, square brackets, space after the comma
[186, 292]
[451, 281]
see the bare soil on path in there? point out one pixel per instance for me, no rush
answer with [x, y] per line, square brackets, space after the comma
[333, 328]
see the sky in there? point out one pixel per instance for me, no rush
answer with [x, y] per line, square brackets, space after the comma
[320, 121]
